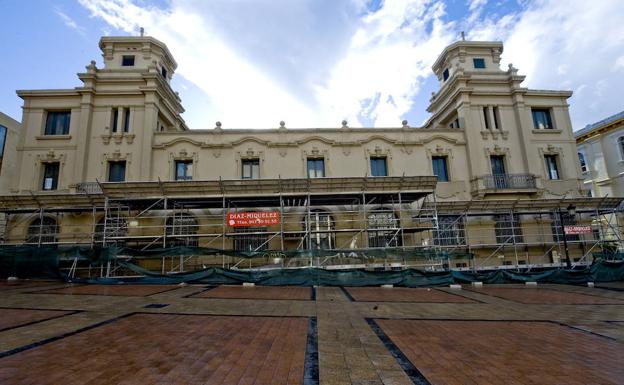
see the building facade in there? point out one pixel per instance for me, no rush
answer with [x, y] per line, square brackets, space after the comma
[487, 175]
[601, 156]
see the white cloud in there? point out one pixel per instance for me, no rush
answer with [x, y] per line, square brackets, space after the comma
[315, 63]
[388, 54]
[69, 22]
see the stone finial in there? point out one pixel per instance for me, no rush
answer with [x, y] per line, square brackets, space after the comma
[404, 123]
[218, 125]
[282, 124]
[344, 124]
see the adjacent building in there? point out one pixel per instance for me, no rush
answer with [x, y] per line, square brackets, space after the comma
[601, 156]
[488, 180]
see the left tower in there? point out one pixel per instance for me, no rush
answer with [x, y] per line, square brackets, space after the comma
[102, 130]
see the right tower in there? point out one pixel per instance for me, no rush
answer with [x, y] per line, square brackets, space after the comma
[519, 141]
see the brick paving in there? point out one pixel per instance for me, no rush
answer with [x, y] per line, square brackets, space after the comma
[249, 337]
[181, 349]
[257, 292]
[121, 290]
[483, 352]
[5, 285]
[404, 294]
[547, 296]
[10, 318]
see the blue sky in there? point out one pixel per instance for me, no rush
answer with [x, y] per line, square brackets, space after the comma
[313, 63]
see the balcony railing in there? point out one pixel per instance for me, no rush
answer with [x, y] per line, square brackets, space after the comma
[88, 188]
[505, 182]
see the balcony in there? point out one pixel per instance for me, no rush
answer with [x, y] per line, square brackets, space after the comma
[504, 183]
[88, 188]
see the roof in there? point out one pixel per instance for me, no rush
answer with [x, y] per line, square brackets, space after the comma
[604, 122]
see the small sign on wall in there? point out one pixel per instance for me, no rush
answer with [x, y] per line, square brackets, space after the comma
[577, 229]
[253, 218]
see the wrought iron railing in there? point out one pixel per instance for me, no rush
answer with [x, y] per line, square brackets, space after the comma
[88, 188]
[508, 181]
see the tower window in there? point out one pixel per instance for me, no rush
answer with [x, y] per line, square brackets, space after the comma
[127, 61]
[541, 118]
[478, 62]
[57, 123]
[163, 72]
[445, 74]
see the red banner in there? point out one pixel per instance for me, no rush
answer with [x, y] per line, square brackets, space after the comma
[253, 218]
[577, 229]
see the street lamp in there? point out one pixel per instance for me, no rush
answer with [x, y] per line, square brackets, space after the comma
[571, 212]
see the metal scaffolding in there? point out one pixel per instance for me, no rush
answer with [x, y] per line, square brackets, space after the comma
[373, 223]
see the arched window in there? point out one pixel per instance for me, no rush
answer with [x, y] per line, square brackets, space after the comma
[180, 230]
[42, 231]
[620, 142]
[582, 162]
[115, 227]
[321, 231]
[383, 229]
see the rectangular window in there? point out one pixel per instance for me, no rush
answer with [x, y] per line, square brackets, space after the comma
[582, 162]
[126, 127]
[557, 228]
[440, 168]
[250, 239]
[486, 118]
[378, 166]
[541, 119]
[551, 167]
[117, 171]
[445, 74]
[496, 114]
[163, 72]
[251, 169]
[450, 231]
[3, 134]
[57, 123]
[184, 170]
[478, 62]
[316, 168]
[127, 60]
[507, 228]
[50, 176]
[115, 119]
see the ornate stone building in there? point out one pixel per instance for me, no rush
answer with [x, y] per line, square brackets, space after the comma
[601, 156]
[487, 175]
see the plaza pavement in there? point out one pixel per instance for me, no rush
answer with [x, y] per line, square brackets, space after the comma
[58, 333]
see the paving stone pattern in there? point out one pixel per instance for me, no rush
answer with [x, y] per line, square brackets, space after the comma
[257, 292]
[499, 352]
[512, 334]
[11, 318]
[547, 296]
[181, 349]
[122, 290]
[403, 294]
